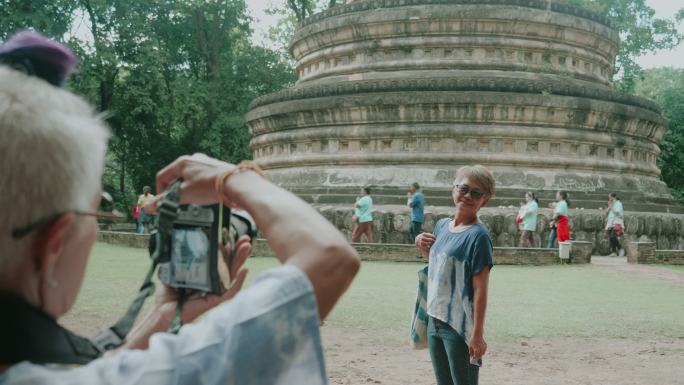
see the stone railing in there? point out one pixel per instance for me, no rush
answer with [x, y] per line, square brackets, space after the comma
[580, 252]
[390, 225]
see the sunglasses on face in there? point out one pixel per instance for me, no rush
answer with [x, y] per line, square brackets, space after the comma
[464, 189]
[106, 209]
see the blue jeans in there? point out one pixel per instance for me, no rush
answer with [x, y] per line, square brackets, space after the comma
[415, 228]
[552, 239]
[450, 356]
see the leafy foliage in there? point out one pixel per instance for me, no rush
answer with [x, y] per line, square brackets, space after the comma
[173, 76]
[666, 86]
[640, 33]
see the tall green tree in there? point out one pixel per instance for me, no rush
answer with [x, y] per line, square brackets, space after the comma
[172, 76]
[666, 86]
[52, 18]
[640, 31]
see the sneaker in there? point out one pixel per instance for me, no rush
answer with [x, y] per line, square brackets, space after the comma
[612, 255]
[621, 253]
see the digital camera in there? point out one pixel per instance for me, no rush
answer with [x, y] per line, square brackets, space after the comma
[188, 254]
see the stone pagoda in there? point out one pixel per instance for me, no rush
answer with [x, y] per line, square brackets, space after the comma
[398, 91]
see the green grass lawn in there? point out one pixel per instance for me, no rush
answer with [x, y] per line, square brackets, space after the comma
[538, 301]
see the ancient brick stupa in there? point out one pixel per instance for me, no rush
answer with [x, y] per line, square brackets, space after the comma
[396, 91]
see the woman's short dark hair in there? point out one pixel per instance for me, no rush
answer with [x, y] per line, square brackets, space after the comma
[367, 190]
[614, 196]
[416, 185]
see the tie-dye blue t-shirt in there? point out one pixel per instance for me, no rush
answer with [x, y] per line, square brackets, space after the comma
[455, 258]
[268, 334]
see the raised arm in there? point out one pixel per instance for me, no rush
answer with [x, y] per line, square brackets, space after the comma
[296, 232]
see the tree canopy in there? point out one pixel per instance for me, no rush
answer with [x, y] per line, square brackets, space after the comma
[640, 31]
[173, 76]
[666, 86]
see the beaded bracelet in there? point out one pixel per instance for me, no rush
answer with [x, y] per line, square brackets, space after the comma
[245, 165]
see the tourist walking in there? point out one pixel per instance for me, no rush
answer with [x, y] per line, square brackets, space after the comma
[363, 216]
[459, 260]
[550, 244]
[615, 224]
[560, 216]
[528, 218]
[416, 201]
[144, 218]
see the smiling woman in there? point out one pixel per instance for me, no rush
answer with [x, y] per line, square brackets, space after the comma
[460, 257]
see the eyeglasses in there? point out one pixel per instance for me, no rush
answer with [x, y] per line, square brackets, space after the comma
[105, 210]
[465, 189]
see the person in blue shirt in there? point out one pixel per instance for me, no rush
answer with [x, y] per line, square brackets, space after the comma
[528, 218]
[459, 260]
[416, 201]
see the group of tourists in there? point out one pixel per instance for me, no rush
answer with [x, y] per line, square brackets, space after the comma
[559, 225]
[363, 214]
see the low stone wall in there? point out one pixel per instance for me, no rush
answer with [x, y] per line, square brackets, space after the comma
[502, 255]
[124, 239]
[580, 252]
[670, 257]
[390, 225]
[646, 253]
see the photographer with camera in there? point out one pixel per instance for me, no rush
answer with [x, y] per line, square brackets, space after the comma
[52, 151]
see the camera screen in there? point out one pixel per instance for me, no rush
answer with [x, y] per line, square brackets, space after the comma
[190, 257]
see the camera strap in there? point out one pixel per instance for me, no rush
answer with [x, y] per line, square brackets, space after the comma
[115, 335]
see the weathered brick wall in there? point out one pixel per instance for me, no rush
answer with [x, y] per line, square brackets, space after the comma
[670, 257]
[124, 239]
[641, 252]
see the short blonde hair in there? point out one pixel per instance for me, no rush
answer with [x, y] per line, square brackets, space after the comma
[482, 174]
[52, 152]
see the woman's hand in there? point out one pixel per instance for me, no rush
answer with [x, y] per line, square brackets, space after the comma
[199, 173]
[424, 242]
[196, 306]
[163, 312]
[477, 346]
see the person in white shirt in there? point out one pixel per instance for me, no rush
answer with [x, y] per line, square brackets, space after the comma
[615, 224]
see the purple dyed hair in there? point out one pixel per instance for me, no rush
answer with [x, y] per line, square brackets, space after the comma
[39, 56]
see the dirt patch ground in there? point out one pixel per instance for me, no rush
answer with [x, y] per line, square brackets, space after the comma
[646, 271]
[358, 357]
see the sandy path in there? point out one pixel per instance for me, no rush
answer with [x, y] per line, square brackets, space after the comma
[357, 357]
[647, 271]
